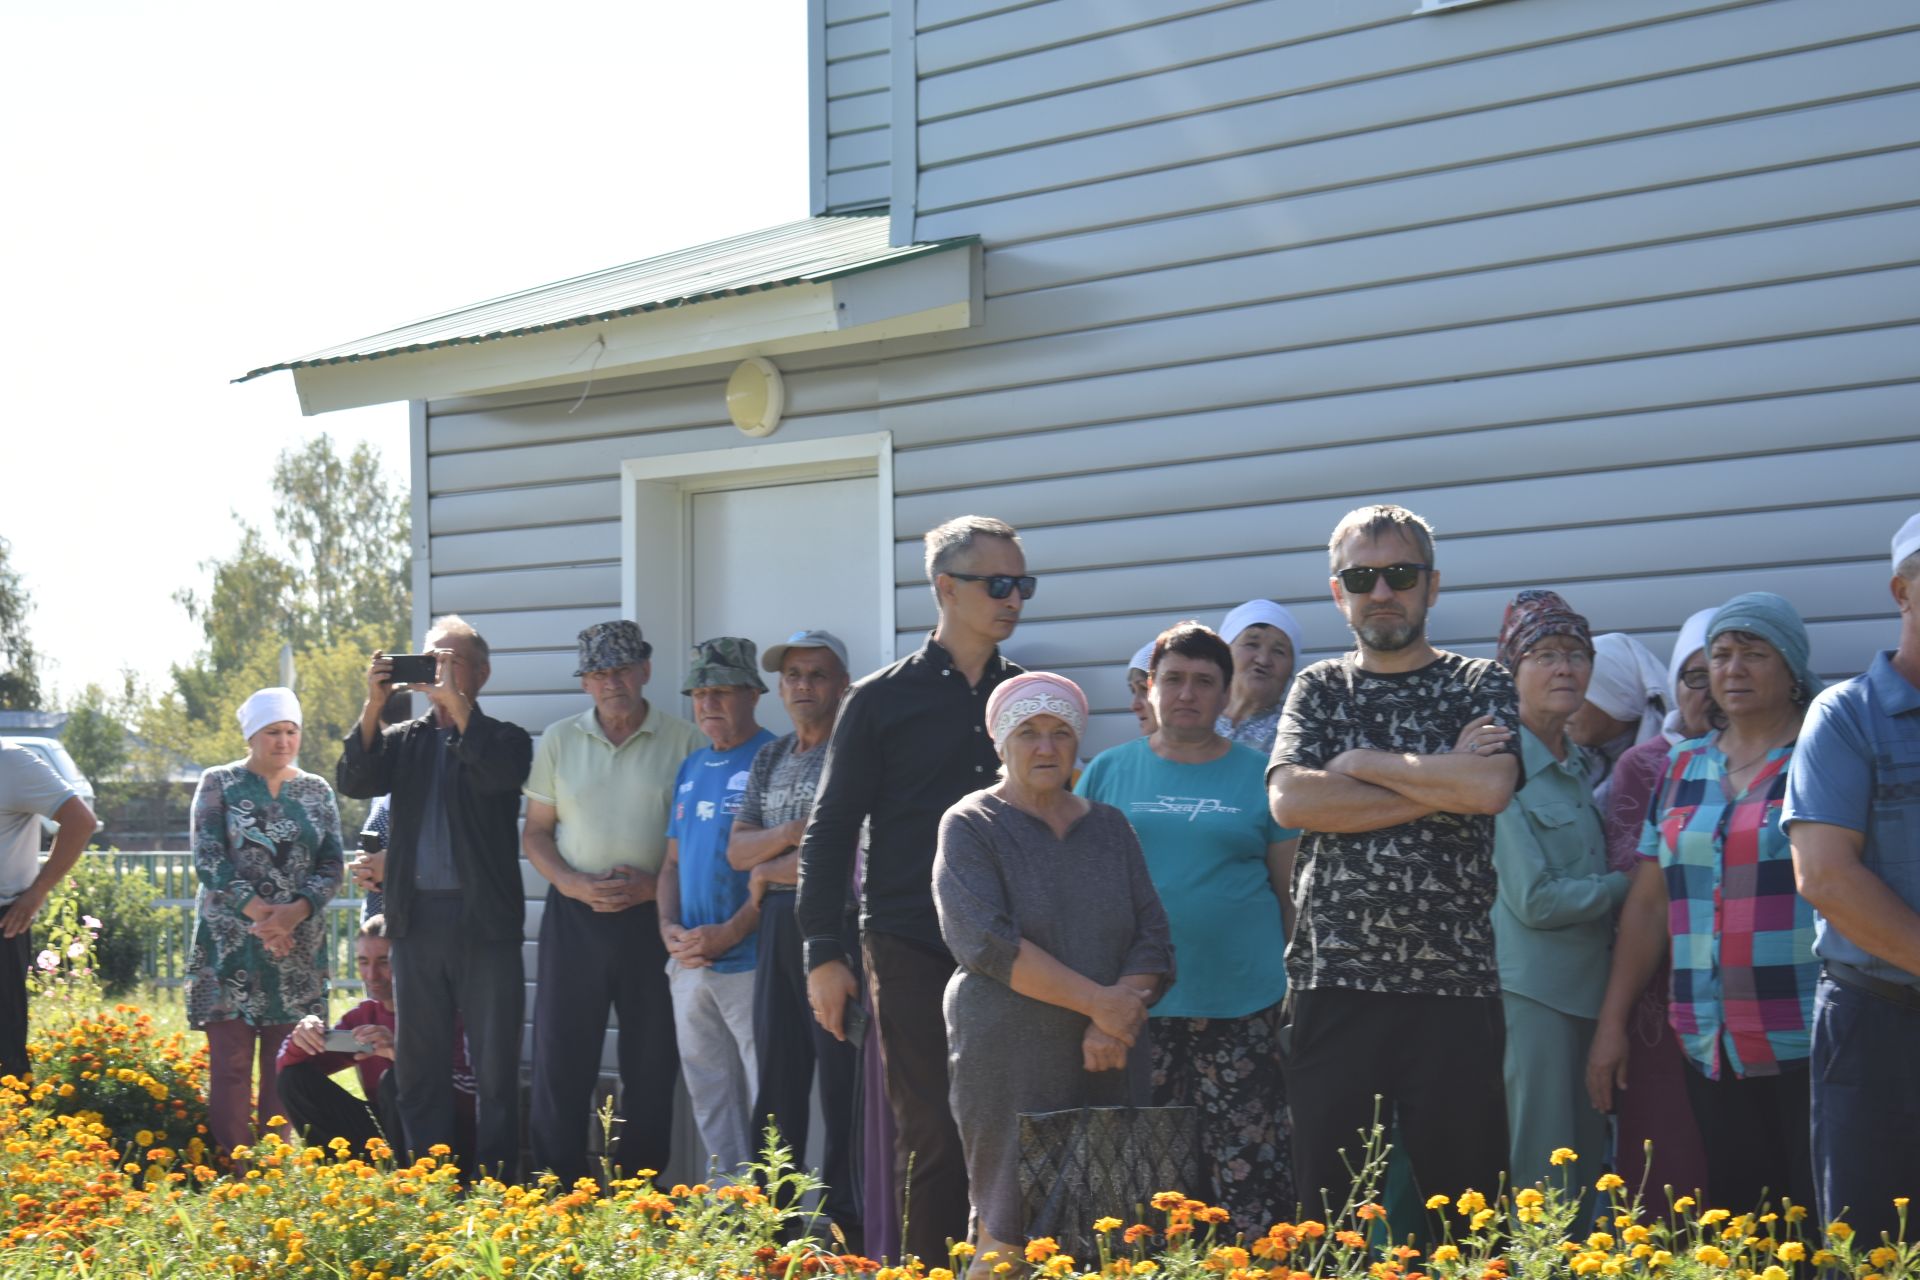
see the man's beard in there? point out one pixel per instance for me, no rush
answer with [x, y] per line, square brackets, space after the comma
[1390, 635]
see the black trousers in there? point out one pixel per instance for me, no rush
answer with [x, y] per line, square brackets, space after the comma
[320, 1110]
[909, 983]
[591, 961]
[440, 972]
[791, 1046]
[15, 956]
[1758, 1136]
[1435, 1062]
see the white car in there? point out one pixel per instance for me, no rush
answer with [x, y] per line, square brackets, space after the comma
[50, 750]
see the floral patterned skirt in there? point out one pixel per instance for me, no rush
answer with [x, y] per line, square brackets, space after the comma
[1229, 1068]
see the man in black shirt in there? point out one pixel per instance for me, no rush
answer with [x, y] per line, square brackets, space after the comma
[911, 739]
[455, 906]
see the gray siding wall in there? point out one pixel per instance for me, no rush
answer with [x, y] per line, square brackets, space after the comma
[1624, 297]
[850, 77]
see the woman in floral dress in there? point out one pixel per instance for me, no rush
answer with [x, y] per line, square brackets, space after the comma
[266, 846]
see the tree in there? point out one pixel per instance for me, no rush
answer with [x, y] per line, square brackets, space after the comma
[19, 674]
[349, 530]
[94, 736]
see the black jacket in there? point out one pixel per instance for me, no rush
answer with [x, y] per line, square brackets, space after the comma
[485, 770]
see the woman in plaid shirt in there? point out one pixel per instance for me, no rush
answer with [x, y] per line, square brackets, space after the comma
[1715, 885]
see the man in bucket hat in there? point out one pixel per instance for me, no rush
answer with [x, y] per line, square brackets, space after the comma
[597, 803]
[708, 917]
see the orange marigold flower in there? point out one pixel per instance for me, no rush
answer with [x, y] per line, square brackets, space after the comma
[1368, 1212]
[1041, 1249]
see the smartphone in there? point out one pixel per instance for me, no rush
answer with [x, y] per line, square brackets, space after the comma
[854, 1024]
[341, 1040]
[414, 668]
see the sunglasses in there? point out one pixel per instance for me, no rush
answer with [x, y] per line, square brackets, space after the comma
[1001, 585]
[1359, 580]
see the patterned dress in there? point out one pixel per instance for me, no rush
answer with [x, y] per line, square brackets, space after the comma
[248, 843]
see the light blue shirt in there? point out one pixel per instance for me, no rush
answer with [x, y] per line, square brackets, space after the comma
[706, 800]
[1858, 766]
[1205, 830]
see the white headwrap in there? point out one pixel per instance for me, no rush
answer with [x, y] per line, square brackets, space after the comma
[1693, 636]
[1258, 611]
[1628, 684]
[1907, 541]
[1143, 657]
[268, 706]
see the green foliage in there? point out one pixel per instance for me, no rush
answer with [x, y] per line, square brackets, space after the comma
[130, 924]
[19, 674]
[94, 736]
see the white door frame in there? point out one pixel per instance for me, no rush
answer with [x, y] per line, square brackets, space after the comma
[656, 512]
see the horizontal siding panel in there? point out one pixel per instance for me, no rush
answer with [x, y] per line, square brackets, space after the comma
[842, 11]
[932, 14]
[1283, 515]
[1292, 134]
[537, 628]
[858, 150]
[1500, 185]
[860, 189]
[1388, 74]
[861, 111]
[597, 458]
[1138, 51]
[1375, 369]
[541, 672]
[1345, 239]
[1228, 301]
[1001, 41]
[1309, 458]
[533, 711]
[568, 544]
[857, 39]
[524, 508]
[568, 588]
[858, 75]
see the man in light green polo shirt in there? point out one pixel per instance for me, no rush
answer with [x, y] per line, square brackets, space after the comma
[597, 804]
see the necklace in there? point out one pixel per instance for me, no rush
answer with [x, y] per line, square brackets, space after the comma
[1765, 752]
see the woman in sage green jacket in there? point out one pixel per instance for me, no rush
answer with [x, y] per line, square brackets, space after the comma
[1553, 919]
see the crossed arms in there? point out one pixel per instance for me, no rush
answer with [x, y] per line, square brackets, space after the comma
[1365, 790]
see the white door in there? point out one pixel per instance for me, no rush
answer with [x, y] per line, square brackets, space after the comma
[767, 562]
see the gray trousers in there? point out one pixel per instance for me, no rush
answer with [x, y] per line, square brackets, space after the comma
[440, 972]
[1547, 1104]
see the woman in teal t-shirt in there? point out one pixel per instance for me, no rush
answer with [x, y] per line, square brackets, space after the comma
[1198, 802]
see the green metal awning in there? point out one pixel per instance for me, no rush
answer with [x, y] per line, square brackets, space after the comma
[811, 251]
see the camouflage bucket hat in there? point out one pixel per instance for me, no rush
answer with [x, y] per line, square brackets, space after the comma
[606, 645]
[722, 660]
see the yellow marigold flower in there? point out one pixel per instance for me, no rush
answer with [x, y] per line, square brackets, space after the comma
[1795, 1212]
[1438, 1202]
[1883, 1256]
[1529, 1197]
[1102, 1225]
[1002, 1268]
[961, 1250]
[1480, 1219]
[1683, 1204]
[1711, 1255]
[1824, 1258]
[939, 1273]
[1839, 1231]
[1636, 1234]
[1563, 1155]
[1899, 1202]
[1471, 1202]
[1659, 1259]
[1792, 1251]
[1712, 1216]
[1774, 1273]
[1600, 1240]
[1445, 1253]
[1041, 1249]
[1610, 1182]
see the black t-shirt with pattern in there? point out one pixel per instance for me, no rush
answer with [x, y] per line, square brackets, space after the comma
[1404, 908]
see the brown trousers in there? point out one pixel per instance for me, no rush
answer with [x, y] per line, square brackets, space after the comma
[232, 1045]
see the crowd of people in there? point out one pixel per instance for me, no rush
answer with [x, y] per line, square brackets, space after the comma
[1569, 896]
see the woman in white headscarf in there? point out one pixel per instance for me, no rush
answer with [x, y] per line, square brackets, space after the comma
[1265, 641]
[266, 848]
[1139, 680]
[1627, 701]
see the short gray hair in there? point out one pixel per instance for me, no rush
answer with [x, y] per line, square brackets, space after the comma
[1383, 517]
[946, 543]
[1909, 569]
[452, 624]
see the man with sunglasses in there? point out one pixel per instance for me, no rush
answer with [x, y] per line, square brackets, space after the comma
[1393, 760]
[910, 741]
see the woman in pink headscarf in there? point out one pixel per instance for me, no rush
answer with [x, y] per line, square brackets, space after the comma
[1045, 902]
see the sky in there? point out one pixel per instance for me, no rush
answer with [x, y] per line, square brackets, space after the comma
[198, 189]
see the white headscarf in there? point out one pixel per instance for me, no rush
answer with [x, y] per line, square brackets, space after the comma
[1143, 658]
[1693, 637]
[1254, 612]
[1628, 683]
[268, 706]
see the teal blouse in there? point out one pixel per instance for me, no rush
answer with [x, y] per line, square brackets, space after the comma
[1553, 917]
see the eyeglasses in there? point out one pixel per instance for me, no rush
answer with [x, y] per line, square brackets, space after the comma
[1001, 585]
[1359, 580]
[1695, 678]
[1572, 659]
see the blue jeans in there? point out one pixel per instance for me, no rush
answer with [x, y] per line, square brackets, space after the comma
[1866, 1107]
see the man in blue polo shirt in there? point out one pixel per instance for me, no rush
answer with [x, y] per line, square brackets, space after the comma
[708, 917]
[1853, 816]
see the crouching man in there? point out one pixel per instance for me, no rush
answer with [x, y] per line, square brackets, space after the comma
[321, 1109]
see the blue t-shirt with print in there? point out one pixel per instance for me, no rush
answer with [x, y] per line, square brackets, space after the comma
[1205, 830]
[706, 800]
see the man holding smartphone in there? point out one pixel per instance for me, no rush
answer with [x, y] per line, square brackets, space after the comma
[455, 907]
[311, 1055]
